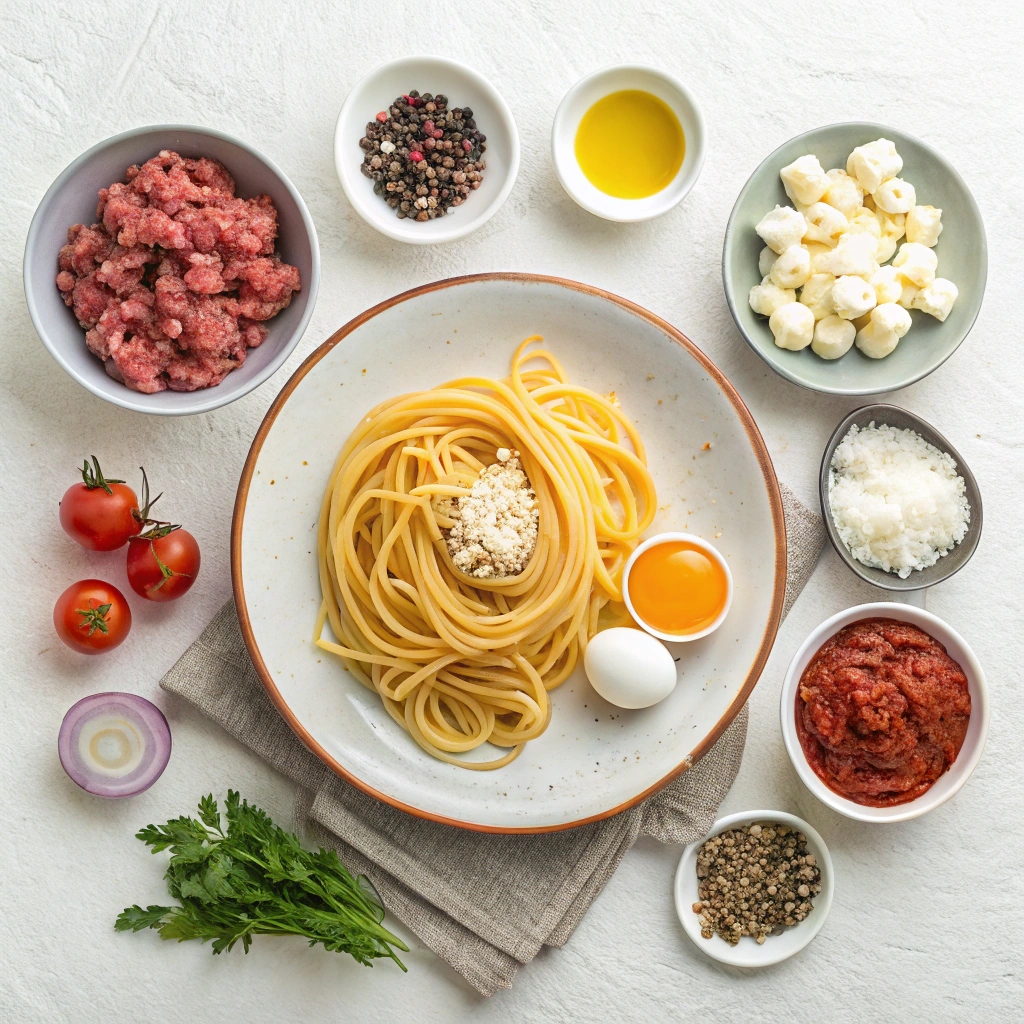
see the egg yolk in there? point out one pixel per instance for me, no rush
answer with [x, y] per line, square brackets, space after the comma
[676, 587]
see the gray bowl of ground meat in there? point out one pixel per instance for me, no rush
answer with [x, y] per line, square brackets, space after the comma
[180, 385]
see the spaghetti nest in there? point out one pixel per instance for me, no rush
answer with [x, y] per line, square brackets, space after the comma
[459, 661]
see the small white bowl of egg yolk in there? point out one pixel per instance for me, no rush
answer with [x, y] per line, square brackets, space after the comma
[628, 142]
[677, 586]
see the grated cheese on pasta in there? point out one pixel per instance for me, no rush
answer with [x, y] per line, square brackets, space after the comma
[494, 527]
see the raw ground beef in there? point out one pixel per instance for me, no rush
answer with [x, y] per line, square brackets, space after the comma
[172, 285]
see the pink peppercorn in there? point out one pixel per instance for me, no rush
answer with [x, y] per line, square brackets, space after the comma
[382, 116]
[438, 133]
[415, 156]
[467, 145]
[428, 126]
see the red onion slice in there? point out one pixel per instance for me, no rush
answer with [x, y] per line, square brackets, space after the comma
[114, 744]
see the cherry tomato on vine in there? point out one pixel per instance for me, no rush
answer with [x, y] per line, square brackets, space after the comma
[99, 513]
[92, 616]
[163, 563]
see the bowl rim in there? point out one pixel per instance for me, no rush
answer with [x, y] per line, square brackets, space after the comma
[730, 232]
[875, 576]
[218, 397]
[758, 446]
[965, 762]
[705, 546]
[809, 928]
[461, 226]
[689, 171]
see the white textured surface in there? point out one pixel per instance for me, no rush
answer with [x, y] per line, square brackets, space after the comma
[925, 914]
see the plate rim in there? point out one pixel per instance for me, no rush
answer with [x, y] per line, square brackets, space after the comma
[757, 443]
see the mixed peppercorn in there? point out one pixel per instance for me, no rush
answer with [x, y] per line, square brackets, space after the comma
[756, 880]
[424, 159]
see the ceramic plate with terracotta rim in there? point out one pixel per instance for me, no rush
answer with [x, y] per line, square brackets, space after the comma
[714, 478]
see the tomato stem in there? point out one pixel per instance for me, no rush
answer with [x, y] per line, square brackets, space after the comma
[166, 572]
[156, 527]
[92, 476]
[142, 514]
[95, 616]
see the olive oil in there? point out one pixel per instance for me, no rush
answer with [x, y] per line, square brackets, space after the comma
[630, 144]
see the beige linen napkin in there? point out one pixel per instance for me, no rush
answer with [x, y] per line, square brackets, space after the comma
[484, 903]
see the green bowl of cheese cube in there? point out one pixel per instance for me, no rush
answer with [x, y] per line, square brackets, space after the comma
[855, 260]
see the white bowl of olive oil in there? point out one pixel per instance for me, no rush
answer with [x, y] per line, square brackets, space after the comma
[628, 142]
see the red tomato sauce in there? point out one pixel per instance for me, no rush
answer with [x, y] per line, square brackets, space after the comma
[882, 712]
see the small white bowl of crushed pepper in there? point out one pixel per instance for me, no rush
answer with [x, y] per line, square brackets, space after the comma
[756, 889]
[426, 149]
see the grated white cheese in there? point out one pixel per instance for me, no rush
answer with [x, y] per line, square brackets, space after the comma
[495, 525]
[897, 501]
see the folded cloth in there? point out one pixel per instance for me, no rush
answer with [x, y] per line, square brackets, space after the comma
[485, 903]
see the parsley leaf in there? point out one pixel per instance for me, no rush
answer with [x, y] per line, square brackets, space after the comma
[253, 878]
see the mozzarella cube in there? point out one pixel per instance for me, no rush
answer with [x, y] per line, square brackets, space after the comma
[891, 225]
[886, 247]
[917, 263]
[765, 260]
[844, 192]
[792, 268]
[855, 254]
[817, 252]
[924, 225]
[864, 222]
[890, 317]
[875, 342]
[833, 337]
[937, 298]
[792, 326]
[804, 180]
[887, 284]
[874, 163]
[852, 296]
[909, 293]
[816, 295]
[895, 196]
[766, 297]
[782, 228]
[824, 224]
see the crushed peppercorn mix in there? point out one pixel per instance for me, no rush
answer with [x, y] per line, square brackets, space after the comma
[423, 157]
[756, 880]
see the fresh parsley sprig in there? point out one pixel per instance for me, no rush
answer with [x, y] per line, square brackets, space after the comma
[256, 879]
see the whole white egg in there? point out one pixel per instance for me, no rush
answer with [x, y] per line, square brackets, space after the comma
[629, 668]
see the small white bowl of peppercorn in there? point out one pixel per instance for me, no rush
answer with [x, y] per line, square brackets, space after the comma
[756, 889]
[426, 150]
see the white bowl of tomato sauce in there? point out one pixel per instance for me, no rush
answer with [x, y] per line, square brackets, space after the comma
[863, 744]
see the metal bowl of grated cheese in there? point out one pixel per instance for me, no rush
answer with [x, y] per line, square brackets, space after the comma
[946, 565]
